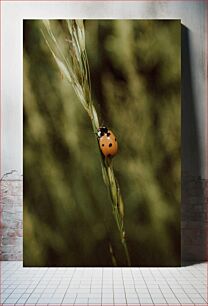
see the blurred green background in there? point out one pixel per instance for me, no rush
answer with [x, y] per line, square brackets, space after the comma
[135, 76]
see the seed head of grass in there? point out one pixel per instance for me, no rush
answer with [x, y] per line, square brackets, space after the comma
[71, 59]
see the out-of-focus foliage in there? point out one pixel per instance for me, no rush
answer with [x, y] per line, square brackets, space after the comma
[135, 76]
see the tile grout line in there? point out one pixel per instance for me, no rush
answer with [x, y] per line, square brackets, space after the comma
[123, 284]
[135, 286]
[147, 287]
[68, 285]
[169, 287]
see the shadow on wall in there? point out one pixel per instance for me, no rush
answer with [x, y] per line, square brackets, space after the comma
[193, 187]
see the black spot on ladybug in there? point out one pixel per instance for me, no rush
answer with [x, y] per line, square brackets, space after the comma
[108, 134]
[110, 145]
[115, 139]
[103, 145]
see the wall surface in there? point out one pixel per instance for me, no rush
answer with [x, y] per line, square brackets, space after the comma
[11, 222]
[194, 109]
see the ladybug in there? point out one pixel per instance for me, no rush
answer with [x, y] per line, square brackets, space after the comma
[107, 142]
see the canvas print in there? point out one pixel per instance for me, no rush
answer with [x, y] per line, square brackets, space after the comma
[102, 122]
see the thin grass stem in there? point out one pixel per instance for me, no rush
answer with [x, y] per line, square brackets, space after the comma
[75, 67]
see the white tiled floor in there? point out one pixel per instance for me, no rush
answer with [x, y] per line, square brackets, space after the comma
[103, 286]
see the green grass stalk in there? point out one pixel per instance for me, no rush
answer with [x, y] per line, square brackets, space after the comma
[74, 66]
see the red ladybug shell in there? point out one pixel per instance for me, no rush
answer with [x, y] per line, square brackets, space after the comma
[108, 144]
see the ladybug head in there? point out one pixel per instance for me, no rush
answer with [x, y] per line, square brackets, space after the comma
[102, 130]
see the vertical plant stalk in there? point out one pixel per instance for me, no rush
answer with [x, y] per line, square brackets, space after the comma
[74, 66]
